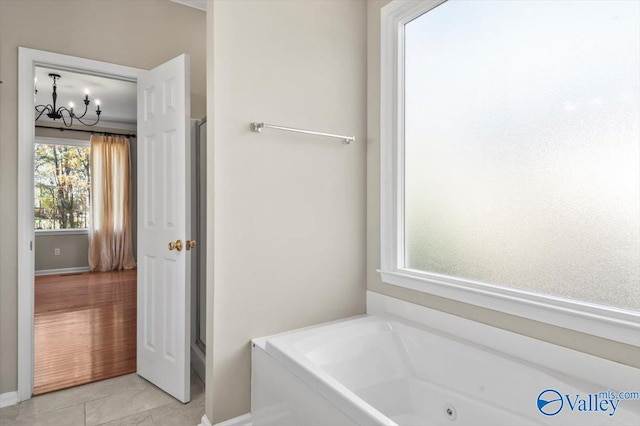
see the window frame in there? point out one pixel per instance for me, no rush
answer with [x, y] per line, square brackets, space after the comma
[602, 321]
[67, 142]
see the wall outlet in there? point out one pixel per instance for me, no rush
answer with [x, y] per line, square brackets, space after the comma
[56, 252]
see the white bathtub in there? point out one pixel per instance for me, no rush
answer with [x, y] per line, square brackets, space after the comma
[384, 370]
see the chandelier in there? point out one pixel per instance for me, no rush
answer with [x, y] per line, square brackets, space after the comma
[66, 114]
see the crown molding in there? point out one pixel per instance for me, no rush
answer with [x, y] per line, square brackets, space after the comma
[196, 4]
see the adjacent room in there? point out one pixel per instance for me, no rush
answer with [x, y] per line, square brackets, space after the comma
[85, 228]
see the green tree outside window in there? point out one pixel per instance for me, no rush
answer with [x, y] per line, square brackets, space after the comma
[62, 187]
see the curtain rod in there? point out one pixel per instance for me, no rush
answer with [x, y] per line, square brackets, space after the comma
[62, 129]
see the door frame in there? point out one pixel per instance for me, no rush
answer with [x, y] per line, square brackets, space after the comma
[28, 59]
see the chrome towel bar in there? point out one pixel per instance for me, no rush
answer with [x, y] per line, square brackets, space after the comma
[257, 127]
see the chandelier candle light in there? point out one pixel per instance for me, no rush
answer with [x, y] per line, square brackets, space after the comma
[63, 112]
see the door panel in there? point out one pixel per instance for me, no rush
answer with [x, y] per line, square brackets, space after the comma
[164, 217]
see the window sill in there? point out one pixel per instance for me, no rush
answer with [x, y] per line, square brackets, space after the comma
[78, 231]
[609, 323]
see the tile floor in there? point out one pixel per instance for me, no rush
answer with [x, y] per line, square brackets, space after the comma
[124, 400]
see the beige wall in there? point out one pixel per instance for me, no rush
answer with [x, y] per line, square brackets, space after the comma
[74, 250]
[597, 346]
[289, 219]
[141, 33]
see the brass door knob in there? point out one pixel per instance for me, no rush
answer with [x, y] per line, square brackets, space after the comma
[176, 246]
[190, 244]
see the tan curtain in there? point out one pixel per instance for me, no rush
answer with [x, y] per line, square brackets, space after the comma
[110, 240]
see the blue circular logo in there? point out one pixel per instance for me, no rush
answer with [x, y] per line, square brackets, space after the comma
[550, 402]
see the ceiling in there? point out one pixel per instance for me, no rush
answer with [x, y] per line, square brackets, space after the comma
[117, 98]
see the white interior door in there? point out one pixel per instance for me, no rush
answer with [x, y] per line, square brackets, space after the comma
[163, 218]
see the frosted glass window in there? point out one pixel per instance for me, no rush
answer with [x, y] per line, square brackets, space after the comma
[521, 158]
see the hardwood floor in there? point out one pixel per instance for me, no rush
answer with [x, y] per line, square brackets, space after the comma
[85, 328]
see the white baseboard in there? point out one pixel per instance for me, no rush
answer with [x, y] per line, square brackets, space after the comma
[61, 271]
[243, 420]
[204, 421]
[8, 398]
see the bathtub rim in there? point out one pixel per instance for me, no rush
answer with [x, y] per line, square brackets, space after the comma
[559, 360]
[285, 349]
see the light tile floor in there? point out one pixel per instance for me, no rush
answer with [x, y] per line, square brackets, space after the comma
[124, 400]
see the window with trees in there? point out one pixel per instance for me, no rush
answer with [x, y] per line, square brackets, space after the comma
[62, 185]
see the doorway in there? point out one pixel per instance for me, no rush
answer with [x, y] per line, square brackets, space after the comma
[174, 136]
[84, 323]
